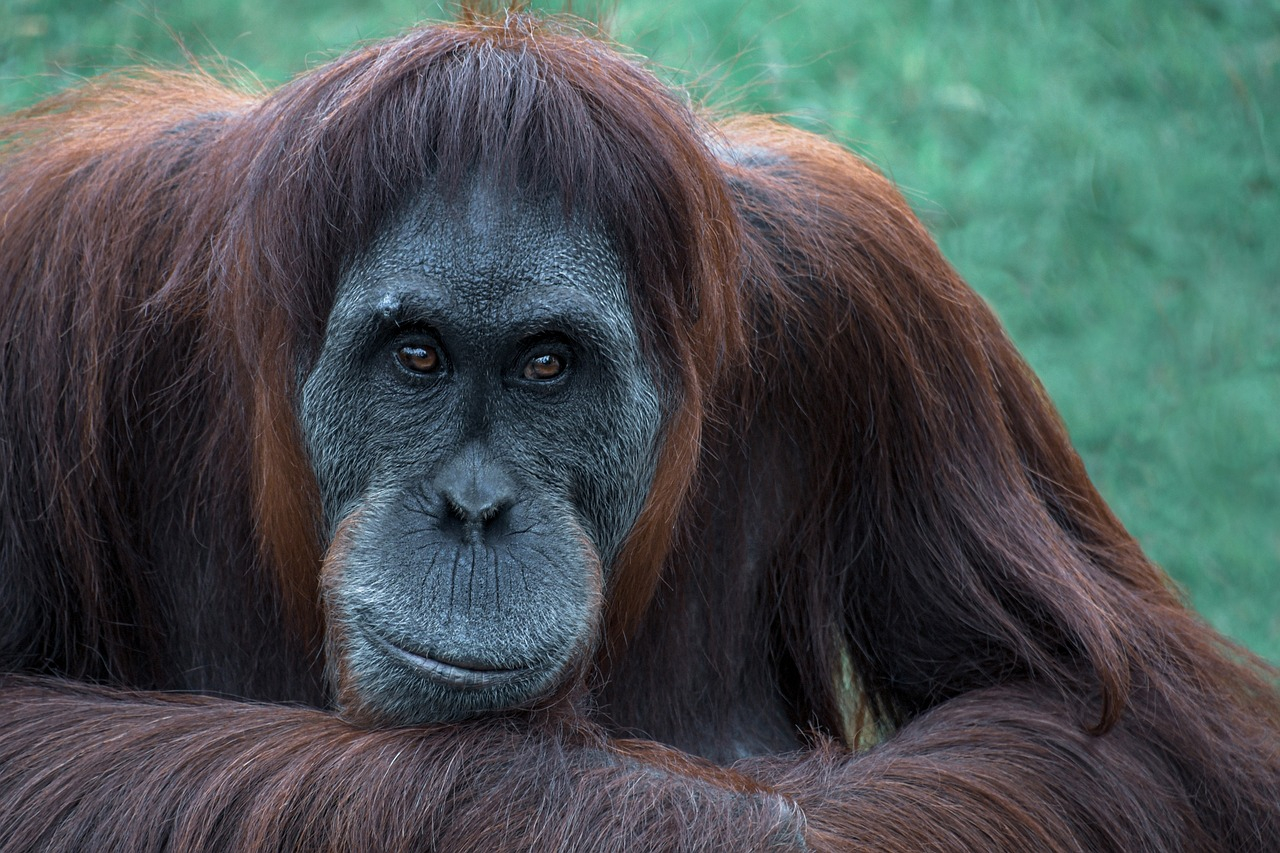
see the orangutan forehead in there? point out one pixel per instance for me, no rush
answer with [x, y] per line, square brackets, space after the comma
[489, 248]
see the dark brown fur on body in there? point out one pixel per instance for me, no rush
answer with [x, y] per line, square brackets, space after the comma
[858, 472]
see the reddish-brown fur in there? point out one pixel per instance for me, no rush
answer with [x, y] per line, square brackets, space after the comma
[863, 494]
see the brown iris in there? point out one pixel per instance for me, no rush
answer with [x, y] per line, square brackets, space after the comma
[544, 367]
[418, 359]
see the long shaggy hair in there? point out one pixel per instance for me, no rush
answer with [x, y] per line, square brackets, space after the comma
[864, 501]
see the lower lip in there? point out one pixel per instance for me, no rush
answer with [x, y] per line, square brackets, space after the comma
[447, 673]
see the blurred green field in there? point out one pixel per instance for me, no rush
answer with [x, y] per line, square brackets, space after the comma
[1107, 174]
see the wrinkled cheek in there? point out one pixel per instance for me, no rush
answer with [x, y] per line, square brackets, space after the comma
[617, 502]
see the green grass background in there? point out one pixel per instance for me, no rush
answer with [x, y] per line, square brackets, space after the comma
[1107, 174]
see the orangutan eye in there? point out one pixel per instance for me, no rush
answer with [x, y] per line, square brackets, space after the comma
[418, 358]
[544, 367]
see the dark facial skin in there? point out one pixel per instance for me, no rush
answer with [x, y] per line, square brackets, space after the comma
[483, 428]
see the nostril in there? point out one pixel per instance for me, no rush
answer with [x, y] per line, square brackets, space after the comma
[474, 487]
[490, 512]
[455, 508]
[480, 510]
